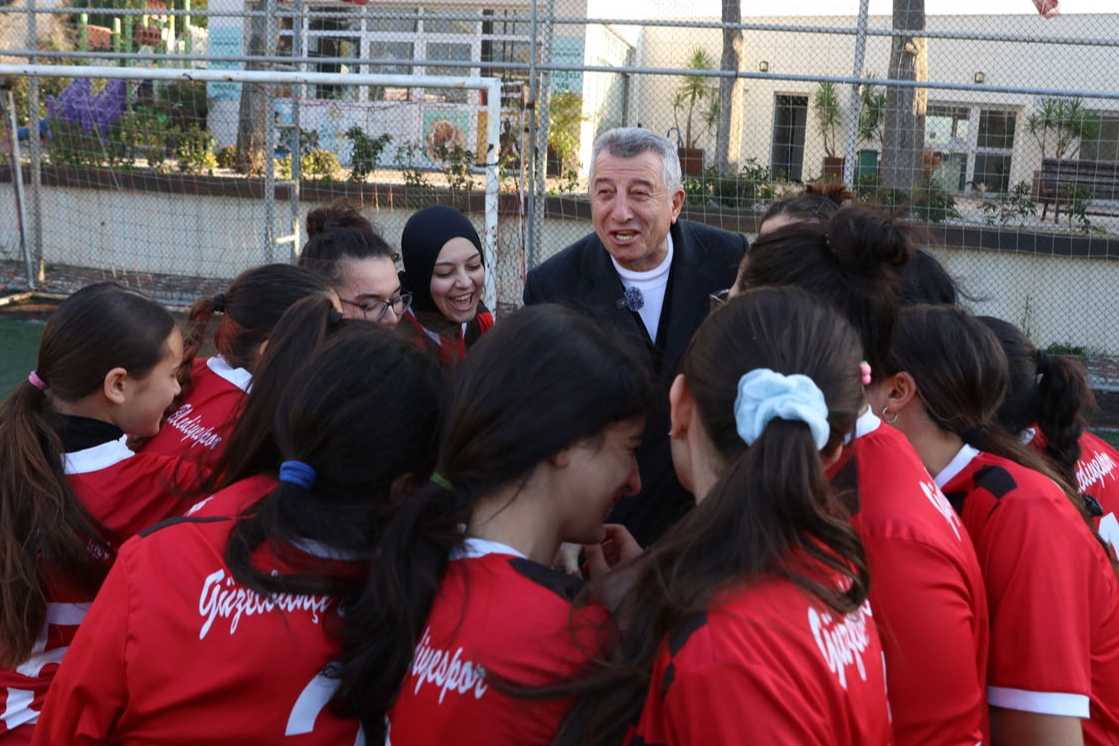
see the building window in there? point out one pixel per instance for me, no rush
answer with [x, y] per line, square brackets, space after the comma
[1105, 145]
[412, 40]
[972, 146]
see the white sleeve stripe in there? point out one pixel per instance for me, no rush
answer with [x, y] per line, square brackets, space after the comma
[1043, 703]
[17, 711]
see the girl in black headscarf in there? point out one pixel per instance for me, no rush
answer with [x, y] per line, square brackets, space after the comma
[445, 272]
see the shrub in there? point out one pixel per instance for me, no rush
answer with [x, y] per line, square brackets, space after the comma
[195, 156]
[366, 151]
[320, 164]
[226, 157]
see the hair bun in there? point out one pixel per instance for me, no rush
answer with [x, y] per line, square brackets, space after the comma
[867, 240]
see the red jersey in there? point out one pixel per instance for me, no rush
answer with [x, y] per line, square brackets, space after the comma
[1097, 476]
[769, 664]
[497, 612]
[125, 492]
[1053, 595]
[450, 350]
[926, 589]
[175, 651]
[198, 429]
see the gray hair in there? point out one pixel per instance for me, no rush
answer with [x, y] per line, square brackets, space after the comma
[628, 142]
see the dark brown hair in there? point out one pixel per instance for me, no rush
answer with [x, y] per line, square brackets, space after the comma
[338, 214]
[544, 378]
[816, 203]
[324, 253]
[362, 412]
[249, 308]
[851, 261]
[1050, 392]
[42, 522]
[252, 448]
[772, 511]
[962, 376]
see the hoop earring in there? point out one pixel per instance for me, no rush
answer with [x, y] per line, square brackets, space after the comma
[889, 421]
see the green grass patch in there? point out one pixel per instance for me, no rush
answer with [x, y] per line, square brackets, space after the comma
[19, 350]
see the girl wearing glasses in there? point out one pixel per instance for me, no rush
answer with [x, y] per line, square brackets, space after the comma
[445, 272]
[213, 389]
[360, 266]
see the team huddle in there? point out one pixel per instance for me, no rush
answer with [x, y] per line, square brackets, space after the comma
[695, 492]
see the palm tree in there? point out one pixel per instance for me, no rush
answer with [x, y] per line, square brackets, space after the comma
[693, 90]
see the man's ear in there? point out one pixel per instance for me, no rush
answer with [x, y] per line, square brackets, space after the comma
[677, 204]
[116, 385]
[682, 404]
[900, 390]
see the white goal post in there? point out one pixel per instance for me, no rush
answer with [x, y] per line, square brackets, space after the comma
[491, 86]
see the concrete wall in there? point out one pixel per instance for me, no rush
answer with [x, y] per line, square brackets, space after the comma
[1062, 300]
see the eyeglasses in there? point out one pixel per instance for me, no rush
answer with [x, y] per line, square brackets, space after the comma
[718, 299]
[375, 310]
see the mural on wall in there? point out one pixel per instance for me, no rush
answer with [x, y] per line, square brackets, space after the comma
[445, 129]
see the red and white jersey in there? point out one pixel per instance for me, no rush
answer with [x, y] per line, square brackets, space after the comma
[1053, 596]
[768, 664]
[1097, 476]
[926, 589]
[501, 613]
[175, 651]
[125, 492]
[198, 429]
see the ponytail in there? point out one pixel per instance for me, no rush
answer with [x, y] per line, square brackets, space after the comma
[545, 378]
[1064, 395]
[383, 630]
[355, 426]
[962, 374]
[41, 521]
[43, 524]
[1045, 391]
[771, 512]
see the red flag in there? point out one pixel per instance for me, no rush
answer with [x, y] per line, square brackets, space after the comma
[1047, 8]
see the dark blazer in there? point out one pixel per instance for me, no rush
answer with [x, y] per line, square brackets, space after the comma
[705, 260]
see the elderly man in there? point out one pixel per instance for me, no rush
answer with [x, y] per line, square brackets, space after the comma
[649, 275]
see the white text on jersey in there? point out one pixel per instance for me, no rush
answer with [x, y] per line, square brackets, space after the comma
[232, 602]
[843, 641]
[447, 671]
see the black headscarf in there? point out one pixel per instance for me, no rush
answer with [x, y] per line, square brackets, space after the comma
[424, 236]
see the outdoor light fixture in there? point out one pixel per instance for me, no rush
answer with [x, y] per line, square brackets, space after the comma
[978, 78]
[763, 66]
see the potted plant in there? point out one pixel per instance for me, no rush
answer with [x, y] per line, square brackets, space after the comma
[826, 105]
[695, 92]
[1063, 124]
[872, 121]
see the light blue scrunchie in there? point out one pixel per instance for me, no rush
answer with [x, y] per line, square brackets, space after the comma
[297, 472]
[764, 394]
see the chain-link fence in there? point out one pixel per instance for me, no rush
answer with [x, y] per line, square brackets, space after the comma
[1000, 132]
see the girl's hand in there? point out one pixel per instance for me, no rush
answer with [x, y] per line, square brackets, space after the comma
[613, 565]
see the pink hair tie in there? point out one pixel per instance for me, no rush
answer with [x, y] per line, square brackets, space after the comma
[864, 368]
[37, 382]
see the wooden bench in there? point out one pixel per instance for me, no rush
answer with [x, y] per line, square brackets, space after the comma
[1100, 180]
